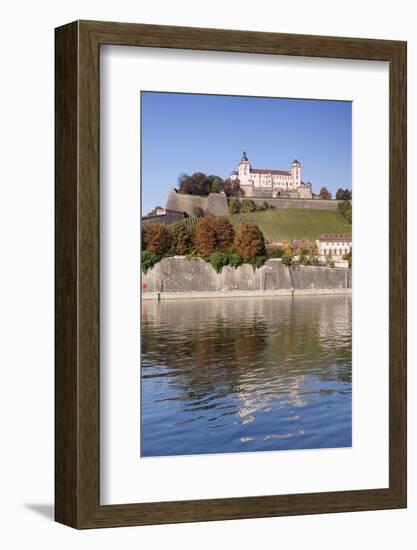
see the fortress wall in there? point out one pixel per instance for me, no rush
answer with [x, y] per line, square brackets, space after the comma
[215, 203]
[180, 275]
[313, 204]
[169, 217]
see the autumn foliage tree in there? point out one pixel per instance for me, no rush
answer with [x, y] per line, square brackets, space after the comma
[205, 236]
[225, 234]
[325, 194]
[213, 234]
[249, 241]
[287, 248]
[181, 238]
[156, 237]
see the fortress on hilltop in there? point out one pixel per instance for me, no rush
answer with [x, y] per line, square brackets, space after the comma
[264, 182]
[278, 188]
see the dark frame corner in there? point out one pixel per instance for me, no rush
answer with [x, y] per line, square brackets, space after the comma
[77, 360]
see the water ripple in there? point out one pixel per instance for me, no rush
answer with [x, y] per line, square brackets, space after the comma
[245, 374]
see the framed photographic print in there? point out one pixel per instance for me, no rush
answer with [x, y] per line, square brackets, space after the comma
[230, 274]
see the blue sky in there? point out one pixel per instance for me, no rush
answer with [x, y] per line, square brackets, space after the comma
[206, 133]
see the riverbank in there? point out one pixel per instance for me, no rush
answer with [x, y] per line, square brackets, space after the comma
[193, 277]
[245, 293]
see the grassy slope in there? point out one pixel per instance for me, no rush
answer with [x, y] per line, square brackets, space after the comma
[281, 224]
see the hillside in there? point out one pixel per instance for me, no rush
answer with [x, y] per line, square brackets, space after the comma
[282, 224]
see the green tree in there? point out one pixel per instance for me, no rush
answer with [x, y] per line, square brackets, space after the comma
[345, 208]
[234, 205]
[149, 259]
[182, 238]
[216, 184]
[196, 184]
[232, 188]
[343, 194]
[247, 205]
[286, 259]
[235, 259]
[249, 241]
[219, 259]
[329, 260]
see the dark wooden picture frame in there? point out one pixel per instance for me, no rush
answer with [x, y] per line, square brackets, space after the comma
[77, 372]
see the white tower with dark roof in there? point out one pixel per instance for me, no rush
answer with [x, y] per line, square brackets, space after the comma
[296, 173]
[244, 170]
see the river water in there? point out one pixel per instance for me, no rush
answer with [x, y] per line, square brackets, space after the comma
[246, 374]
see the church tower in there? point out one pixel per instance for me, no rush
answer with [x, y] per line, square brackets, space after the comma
[244, 169]
[296, 174]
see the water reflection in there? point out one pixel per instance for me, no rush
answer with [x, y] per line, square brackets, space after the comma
[245, 374]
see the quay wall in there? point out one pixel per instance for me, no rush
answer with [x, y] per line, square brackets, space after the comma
[183, 275]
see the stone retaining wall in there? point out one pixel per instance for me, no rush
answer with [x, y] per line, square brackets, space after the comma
[308, 204]
[216, 203]
[180, 274]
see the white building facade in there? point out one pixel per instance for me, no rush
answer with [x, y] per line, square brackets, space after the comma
[274, 183]
[333, 245]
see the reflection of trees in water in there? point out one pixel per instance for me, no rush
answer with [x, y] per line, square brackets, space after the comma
[256, 348]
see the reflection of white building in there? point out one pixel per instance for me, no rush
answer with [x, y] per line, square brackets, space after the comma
[334, 323]
[274, 183]
[334, 245]
[289, 390]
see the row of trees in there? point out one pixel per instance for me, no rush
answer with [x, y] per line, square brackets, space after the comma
[236, 206]
[201, 184]
[341, 194]
[246, 205]
[211, 235]
[215, 239]
[301, 252]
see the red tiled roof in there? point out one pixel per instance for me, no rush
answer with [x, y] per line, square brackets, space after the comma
[332, 237]
[266, 171]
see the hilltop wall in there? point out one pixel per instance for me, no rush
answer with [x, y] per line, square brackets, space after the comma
[214, 203]
[312, 204]
[168, 217]
[180, 274]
